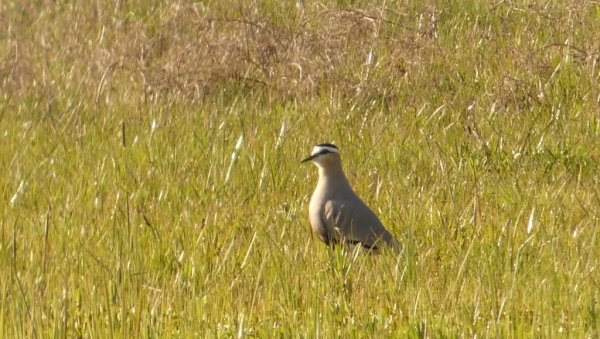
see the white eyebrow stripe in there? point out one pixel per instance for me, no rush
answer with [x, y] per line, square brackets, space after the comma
[319, 149]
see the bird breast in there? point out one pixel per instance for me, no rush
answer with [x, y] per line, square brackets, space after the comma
[315, 213]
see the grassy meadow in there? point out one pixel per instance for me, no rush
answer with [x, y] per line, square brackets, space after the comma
[151, 184]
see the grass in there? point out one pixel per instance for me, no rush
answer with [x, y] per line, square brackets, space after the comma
[472, 129]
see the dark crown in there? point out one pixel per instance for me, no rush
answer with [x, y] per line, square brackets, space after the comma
[328, 145]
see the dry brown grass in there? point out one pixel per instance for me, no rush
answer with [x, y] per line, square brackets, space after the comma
[191, 52]
[195, 52]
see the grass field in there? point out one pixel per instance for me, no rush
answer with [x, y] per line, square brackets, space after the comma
[471, 127]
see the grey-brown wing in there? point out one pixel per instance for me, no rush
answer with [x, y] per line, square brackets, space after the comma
[352, 220]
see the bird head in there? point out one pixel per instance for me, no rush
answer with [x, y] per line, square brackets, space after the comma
[324, 155]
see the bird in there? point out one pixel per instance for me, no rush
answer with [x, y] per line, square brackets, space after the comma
[336, 213]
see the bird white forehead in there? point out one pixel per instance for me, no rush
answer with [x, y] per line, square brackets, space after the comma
[318, 149]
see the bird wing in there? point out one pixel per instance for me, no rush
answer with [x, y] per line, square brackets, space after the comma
[352, 220]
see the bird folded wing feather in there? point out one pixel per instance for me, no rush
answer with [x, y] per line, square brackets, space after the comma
[353, 222]
[343, 223]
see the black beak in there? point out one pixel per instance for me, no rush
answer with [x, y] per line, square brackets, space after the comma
[309, 158]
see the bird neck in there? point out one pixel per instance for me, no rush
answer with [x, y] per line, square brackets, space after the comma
[333, 175]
